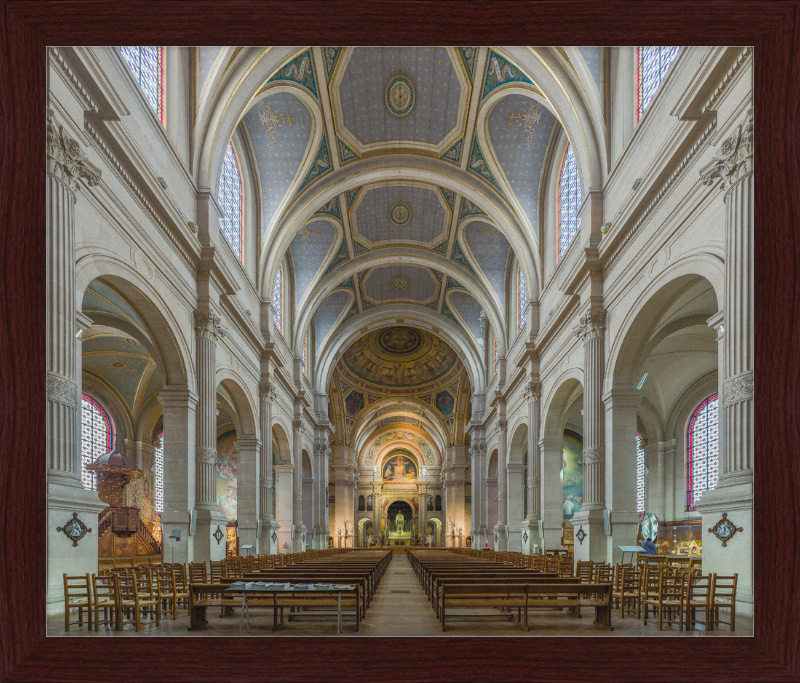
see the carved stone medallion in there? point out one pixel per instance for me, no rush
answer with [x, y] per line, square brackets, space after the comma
[400, 96]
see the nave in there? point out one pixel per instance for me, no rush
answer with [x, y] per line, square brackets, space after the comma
[401, 605]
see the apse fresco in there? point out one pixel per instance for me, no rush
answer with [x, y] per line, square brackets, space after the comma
[227, 475]
[572, 473]
[399, 357]
[399, 467]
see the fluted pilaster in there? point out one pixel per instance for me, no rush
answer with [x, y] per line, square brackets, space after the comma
[267, 397]
[533, 395]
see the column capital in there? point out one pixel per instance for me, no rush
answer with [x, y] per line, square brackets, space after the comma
[502, 425]
[61, 389]
[65, 158]
[534, 482]
[592, 456]
[477, 449]
[267, 392]
[208, 325]
[591, 325]
[206, 456]
[533, 391]
[321, 450]
[738, 388]
[297, 426]
[734, 159]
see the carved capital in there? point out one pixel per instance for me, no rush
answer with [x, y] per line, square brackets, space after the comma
[298, 496]
[267, 392]
[502, 425]
[735, 156]
[62, 390]
[461, 482]
[321, 450]
[534, 482]
[265, 482]
[533, 391]
[208, 325]
[205, 456]
[591, 325]
[65, 158]
[593, 456]
[477, 450]
[739, 388]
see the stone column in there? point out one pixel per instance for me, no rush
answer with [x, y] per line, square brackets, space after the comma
[209, 329]
[284, 474]
[297, 508]
[734, 492]
[591, 331]
[248, 492]
[266, 544]
[502, 487]
[516, 491]
[477, 452]
[67, 168]
[551, 449]
[530, 526]
[321, 455]
[620, 472]
[422, 491]
[376, 506]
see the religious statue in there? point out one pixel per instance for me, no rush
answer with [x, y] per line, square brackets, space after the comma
[376, 472]
[399, 521]
[423, 472]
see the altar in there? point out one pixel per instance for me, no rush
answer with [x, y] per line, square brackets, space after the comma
[398, 537]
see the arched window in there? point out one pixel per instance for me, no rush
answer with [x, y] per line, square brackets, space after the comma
[369, 503]
[652, 64]
[231, 200]
[569, 197]
[361, 505]
[639, 474]
[522, 299]
[277, 299]
[158, 474]
[146, 62]
[96, 438]
[702, 451]
[438, 503]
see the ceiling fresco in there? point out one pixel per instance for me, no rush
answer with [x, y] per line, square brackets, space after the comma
[400, 283]
[490, 250]
[279, 127]
[520, 129]
[400, 436]
[400, 357]
[122, 371]
[399, 213]
[395, 96]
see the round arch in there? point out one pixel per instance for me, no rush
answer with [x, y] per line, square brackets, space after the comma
[284, 453]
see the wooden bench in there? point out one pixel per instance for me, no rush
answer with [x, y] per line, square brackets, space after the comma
[203, 596]
[526, 598]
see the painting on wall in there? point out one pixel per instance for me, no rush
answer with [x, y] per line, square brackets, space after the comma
[227, 475]
[354, 402]
[399, 468]
[572, 473]
[445, 402]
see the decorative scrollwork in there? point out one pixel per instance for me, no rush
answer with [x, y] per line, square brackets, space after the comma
[591, 325]
[735, 157]
[593, 456]
[739, 388]
[66, 159]
[62, 390]
[208, 324]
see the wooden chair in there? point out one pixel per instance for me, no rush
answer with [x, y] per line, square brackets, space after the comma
[583, 570]
[216, 570]
[669, 598]
[77, 595]
[104, 596]
[565, 568]
[628, 592]
[198, 573]
[601, 572]
[723, 595]
[698, 596]
[649, 578]
[135, 594]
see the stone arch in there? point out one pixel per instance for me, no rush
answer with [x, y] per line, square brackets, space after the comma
[518, 446]
[244, 406]
[283, 456]
[437, 525]
[562, 396]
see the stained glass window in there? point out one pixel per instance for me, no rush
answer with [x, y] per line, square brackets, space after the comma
[96, 438]
[702, 453]
[569, 197]
[277, 299]
[652, 64]
[639, 474]
[231, 200]
[522, 299]
[146, 62]
[158, 474]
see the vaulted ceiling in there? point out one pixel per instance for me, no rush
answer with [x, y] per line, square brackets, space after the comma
[402, 183]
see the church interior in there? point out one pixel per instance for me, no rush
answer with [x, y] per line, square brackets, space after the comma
[460, 334]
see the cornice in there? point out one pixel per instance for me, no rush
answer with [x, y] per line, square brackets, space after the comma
[727, 79]
[71, 78]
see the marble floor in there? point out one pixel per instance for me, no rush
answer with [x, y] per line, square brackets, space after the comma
[400, 608]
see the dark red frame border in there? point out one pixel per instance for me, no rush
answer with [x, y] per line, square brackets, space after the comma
[28, 26]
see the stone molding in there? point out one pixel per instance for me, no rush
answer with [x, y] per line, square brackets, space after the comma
[591, 325]
[74, 81]
[740, 60]
[62, 390]
[739, 388]
[65, 158]
[206, 456]
[735, 157]
[592, 456]
[208, 325]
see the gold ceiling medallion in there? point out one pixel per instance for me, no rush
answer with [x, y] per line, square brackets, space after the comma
[527, 120]
[400, 96]
[272, 120]
[400, 282]
[400, 214]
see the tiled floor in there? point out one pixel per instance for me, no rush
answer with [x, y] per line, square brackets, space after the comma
[401, 609]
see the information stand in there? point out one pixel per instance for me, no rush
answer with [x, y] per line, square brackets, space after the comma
[630, 549]
[248, 548]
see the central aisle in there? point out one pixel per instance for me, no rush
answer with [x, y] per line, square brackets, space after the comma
[400, 607]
